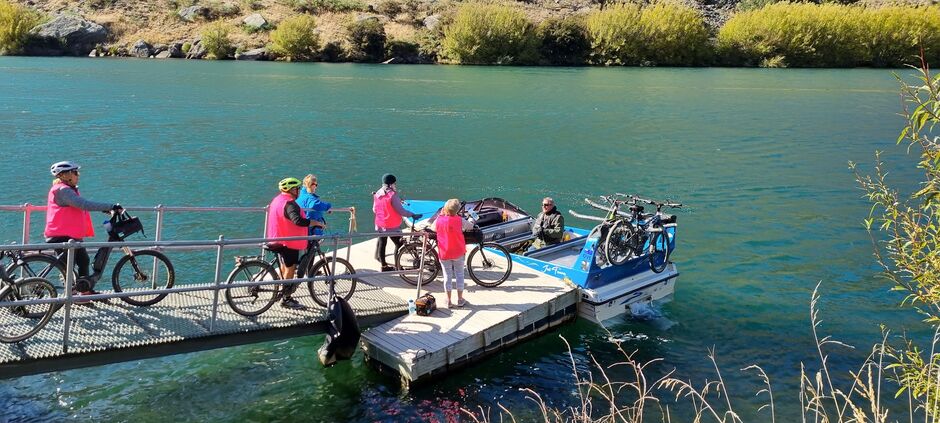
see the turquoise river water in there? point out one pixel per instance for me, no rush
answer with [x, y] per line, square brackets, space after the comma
[759, 156]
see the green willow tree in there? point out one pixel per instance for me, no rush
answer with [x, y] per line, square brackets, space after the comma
[908, 248]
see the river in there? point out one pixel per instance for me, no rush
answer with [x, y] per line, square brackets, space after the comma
[758, 155]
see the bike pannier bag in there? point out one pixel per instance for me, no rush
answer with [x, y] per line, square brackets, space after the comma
[425, 305]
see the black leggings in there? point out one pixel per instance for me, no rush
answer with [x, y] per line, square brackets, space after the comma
[380, 248]
[81, 255]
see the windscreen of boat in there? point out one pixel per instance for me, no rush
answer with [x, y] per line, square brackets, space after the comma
[491, 211]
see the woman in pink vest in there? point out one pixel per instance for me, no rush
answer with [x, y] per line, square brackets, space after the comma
[67, 216]
[388, 216]
[286, 219]
[451, 247]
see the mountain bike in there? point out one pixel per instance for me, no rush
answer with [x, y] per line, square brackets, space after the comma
[137, 269]
[641, 234]
[606, 252]
[19, 322]
[253, 300]
[488, 264]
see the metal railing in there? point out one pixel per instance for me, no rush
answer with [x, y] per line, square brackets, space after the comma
[219, 245]
[27, 209]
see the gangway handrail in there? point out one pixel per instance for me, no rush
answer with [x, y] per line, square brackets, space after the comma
[219, 244]
[27, 209]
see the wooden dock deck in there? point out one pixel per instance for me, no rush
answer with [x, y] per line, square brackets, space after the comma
[416, 347]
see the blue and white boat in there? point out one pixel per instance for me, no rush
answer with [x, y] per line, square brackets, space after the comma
[607, 291]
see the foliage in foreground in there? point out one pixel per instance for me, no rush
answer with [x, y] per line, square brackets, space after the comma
[296, 38]
[215, 39]
[484, 33]
[15, 23]
[909, 254]
[830, 35]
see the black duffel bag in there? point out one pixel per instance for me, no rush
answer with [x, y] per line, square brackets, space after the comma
[124, 225]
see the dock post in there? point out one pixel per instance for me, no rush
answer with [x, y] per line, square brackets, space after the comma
[424, 252]
[69, 281]
[218, 280]
[27, 212]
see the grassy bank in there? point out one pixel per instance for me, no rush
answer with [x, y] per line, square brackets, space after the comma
[663, 33]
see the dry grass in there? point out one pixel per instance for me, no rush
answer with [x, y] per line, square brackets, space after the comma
[855, 397]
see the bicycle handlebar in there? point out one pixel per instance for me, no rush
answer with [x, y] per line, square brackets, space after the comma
[584, 216]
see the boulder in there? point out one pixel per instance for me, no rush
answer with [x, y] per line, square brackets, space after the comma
[432, 21]
[141, 49]
[93, 53]
[158, 48]
[66, 34]
[255, 22]
[176, 50]
[191, 13]
[163, 55]
[197, 51]
[255, 54]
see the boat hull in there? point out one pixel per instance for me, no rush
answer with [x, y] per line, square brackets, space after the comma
[616, 298]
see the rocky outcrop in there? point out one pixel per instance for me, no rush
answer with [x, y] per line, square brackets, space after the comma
[66, 34]
[255, 22]
[163, 55]
[255, 54]
[141, 49]
[191, 13]
[196, 50]
[176, 50]
[431, 22]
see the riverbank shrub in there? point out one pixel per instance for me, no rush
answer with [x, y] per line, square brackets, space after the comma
[15, 23]
[564, 41]
[367, 41]
[335, 6]
[215, 39]
[295, 38]
[675, 35]
[616, 35]
[487, 34]
[894, 35]
[798, 34]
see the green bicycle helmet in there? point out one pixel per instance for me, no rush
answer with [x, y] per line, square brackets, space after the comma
[288, 184]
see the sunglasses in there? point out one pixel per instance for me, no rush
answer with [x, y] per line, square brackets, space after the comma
[547, 205]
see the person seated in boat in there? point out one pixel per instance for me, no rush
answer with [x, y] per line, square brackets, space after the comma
[389, 211]
[67, 216]
[451, 247]
[314, 207]
[549, 226]
[286, 220]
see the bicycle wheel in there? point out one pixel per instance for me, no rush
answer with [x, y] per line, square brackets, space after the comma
[489, 264]
[43, 266]
[620, 244]
[252, 300]
[320, 290]
[20, 322]
[659, 250]
[146, 269]
[408, 257]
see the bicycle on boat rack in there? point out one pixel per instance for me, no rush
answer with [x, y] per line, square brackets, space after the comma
[642, 233]
[19, 322]
[253, 300]
[488, 264]
[130, 271]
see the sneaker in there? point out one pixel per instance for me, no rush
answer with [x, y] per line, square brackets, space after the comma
[461, 302]
[387, 268]
[106, 301]
[292, 304]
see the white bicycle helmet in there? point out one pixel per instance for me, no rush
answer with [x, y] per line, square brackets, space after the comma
[65, 166]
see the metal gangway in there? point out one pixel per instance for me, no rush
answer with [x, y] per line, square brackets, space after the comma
[194, 316]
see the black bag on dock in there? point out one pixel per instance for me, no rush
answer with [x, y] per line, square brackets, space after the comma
[342, 333]
[425, 305]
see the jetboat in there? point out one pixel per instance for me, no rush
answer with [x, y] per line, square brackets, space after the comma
[607, 290]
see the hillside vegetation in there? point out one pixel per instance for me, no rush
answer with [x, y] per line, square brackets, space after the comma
[540, 32]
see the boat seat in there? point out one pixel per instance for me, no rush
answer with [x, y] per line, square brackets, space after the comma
[669, 218]
[489, 216]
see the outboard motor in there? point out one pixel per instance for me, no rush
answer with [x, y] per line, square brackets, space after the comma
[342, 334]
